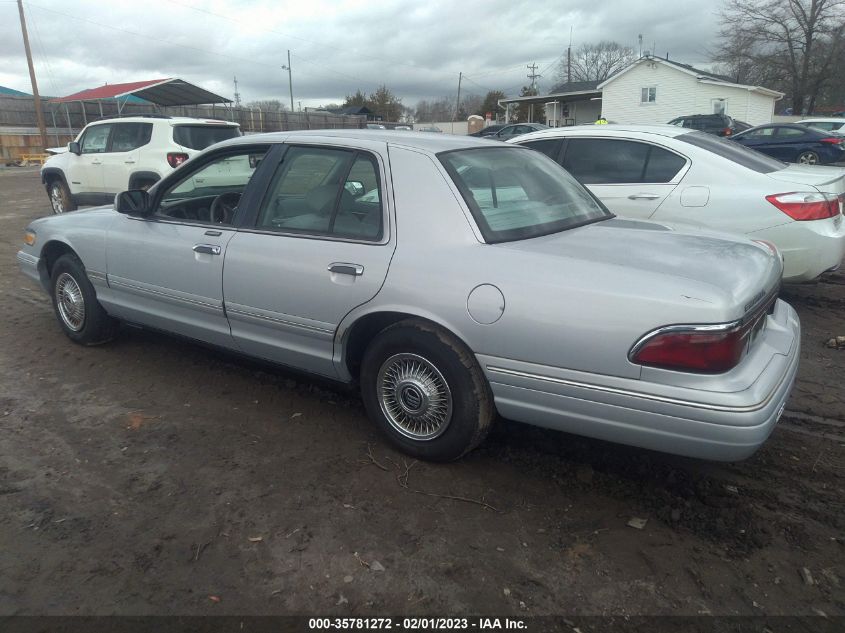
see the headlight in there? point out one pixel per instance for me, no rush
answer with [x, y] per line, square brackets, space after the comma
[29, 237]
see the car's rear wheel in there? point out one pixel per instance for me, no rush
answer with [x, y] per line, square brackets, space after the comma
[75, 303]
[425, 391]
[808, 158]
[60, 199]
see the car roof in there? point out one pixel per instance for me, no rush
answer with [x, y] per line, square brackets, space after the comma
[829, 119]
[175, 120]
[589, 129]
[433, 143]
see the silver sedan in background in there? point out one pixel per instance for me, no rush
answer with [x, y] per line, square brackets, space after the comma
[451, 279]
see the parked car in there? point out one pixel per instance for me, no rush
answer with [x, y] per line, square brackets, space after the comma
[112, 155]
[511, 131]
[827, 125]
[430, 128]
[718, 124]
[490, 130]
[375, 126]
[462, 279]
[678, 175]
[794, 143]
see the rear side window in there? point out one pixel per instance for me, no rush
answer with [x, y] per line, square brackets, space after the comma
[202, 136]
[325, 191]
[611, 161]
[129, 136]
[733, 151]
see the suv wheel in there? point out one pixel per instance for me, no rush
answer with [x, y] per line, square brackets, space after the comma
[60, 199]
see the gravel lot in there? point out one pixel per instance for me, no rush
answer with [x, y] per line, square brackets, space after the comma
[153, 476]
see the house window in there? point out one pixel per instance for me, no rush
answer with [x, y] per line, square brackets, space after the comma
[720, 106]
[648, 95]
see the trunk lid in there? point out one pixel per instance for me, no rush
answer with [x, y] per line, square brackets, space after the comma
[823, 178]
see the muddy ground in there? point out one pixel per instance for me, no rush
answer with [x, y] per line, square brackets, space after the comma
[153, 476]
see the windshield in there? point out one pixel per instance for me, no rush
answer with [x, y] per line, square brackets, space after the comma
[201, 136]
[516, 193]
[733, 151]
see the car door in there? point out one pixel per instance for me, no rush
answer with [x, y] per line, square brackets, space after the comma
[86, 171]
[123, 154]
[632, 178]
[165, 269]
[791, 141]
[319, 246]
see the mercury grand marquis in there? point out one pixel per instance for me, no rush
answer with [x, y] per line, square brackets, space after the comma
[450, 278]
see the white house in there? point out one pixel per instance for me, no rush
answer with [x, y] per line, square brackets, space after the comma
[654, 90]
[650, 90]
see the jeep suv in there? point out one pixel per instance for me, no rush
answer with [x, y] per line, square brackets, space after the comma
[114, 155]
[718, 124]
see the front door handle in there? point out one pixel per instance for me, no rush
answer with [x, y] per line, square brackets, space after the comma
[208, 249]
[644, 196]
[343, 268]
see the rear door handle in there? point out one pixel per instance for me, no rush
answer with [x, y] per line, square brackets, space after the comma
[343, 268]
[644, 196]
[208, 249]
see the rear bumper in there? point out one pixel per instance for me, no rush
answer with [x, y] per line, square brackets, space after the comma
[679, 420]
[808, 248]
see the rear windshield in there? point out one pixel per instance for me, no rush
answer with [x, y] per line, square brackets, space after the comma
[201, 136]
[516, 193]
[733, 151]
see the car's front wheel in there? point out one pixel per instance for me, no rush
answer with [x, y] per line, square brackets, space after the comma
[75, 303]
[60, 199]
[808, 158]
[425, 391]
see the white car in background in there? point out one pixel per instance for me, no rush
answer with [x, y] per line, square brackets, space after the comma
[672, 174]
[828, 124]
[113, 155]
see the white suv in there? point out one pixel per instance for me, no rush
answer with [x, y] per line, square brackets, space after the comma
[114, 155]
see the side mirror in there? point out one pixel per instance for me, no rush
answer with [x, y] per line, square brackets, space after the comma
[354, 188]
[73, 148]
[132, 202]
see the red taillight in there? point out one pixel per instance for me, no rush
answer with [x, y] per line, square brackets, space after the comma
[705, 349]
[710, 352]
[807, 206]
[832, 141]
[174, 159]
[727, 131]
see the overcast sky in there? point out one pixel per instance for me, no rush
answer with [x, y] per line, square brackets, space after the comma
[416, 48]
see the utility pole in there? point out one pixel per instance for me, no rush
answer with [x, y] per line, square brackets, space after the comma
[39, 113]
[290, 81]
[533, 76]
[569, 59]
[237, 94]
[458, 101]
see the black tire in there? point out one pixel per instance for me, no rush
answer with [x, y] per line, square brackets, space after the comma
[60, 200]
[88, 323]
[808, 158]
[427, 346]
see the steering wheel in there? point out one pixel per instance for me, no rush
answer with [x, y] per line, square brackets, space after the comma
[223, 208]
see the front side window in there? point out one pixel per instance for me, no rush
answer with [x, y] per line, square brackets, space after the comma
[325, 191]
[96, 139]
[212, 192]
[786, 132]
[648, 95]
[202, 136]
[763, 132]
[515, 193]
[129, 136]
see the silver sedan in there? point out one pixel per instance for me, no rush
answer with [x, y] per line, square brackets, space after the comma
[451, 279]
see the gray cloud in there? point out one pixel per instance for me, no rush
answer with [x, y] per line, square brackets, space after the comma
[336, 47]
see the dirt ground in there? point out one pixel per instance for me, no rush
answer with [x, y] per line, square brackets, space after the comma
[153, 476]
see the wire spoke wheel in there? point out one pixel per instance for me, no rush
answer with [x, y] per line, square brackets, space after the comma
[70, 302]
[414, 396]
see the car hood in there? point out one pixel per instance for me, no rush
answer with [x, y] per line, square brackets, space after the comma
[827, 179]
[730, 270]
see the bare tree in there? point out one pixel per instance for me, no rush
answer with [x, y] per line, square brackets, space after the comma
[596, 62]
[268, 105]
[787, 44]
